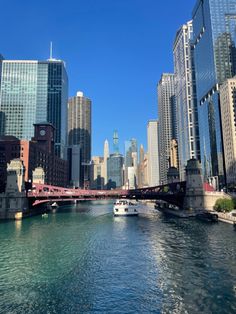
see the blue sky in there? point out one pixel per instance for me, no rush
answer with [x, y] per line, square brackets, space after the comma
[115, 52]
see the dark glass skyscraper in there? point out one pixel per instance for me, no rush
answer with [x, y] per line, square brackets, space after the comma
[57, 97]
[79, 131]
[214, 35]
[115, 171]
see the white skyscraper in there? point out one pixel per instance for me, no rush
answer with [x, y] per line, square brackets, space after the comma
[228, 118]
[153, 153]
[167, 121]
[186, 101]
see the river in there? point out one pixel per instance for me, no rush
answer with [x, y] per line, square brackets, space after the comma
[84, 260]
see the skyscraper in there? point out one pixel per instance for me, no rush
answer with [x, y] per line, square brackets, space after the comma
[131, 161]
[57, 98]
[116, 142]
[214, 25]
[115, 171]
[153, 153]
[32, 92]
[140, 166]
[228, 114]
[167, 121]
[186, 101]
[79, 131]
[105, 157]
[97, 179]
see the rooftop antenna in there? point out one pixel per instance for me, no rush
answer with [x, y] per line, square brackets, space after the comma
[50, 50]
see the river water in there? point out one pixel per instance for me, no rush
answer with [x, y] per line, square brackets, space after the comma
[84, 260]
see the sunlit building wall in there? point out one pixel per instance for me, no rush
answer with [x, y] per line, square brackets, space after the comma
[153, 153]
[167, 121]
[186, 101]
[228, 116]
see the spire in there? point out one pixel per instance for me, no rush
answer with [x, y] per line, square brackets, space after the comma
[106, 149]
[50, 58]
[116, 142]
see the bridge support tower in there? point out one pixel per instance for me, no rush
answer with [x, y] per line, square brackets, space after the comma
[13, 202]
[194, 198]
[197, 198]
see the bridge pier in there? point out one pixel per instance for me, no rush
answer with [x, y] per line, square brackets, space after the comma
[13, 202]
[194, 198]
[197, 198]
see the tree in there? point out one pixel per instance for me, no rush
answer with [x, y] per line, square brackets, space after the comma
[224, 204]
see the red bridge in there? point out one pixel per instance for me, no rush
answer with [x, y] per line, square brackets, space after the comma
[172, 193]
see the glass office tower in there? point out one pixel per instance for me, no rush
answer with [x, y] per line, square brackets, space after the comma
[214, 34]
[130, 147]
[115, 171]
[32, 92]
[57, 98]
[131, 161]
[18, 98]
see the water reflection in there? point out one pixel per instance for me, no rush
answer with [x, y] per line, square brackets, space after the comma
[84, 260]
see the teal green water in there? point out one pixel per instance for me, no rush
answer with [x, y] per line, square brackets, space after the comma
[84, 260]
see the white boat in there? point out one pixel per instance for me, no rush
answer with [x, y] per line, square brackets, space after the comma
[125, 207]
[54, 205]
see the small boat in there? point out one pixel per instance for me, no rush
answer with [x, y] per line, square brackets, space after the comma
[45, 215]
[125, 207]
[54, 205]
[209, 217]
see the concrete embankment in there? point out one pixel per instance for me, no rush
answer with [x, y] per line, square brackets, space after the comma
[225, 217]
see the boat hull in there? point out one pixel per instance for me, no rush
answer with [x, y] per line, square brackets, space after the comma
[125, 208]
[116, 214]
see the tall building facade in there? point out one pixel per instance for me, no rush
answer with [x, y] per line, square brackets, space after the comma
[97, 179]
[142, 168]
[131, 163]
[167, 121]
[31, 92]
[57, 98]
[214, 25]
[79, 131]
[228, 116]
[115, 142]
[130, 147]
[74, 165]
[115, 171]
[186, 98]
[105, 157]
[153, 153]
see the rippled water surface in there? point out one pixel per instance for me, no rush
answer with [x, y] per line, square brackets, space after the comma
[84, 260]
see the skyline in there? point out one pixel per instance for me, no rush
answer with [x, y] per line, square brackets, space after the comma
[105, 55]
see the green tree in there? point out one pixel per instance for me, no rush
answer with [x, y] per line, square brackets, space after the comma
[224, 204]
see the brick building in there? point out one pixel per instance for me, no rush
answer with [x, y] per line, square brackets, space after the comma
[39, 152]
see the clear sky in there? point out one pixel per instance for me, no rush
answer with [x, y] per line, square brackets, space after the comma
[115, 52]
